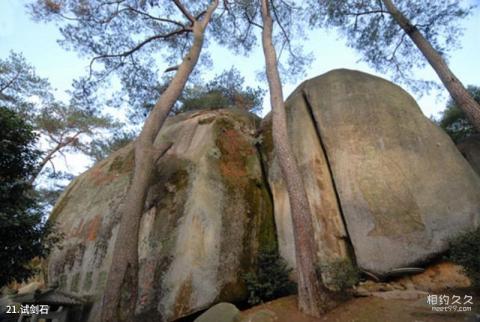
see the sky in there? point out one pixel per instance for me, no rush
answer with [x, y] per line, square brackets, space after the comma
[38, 43]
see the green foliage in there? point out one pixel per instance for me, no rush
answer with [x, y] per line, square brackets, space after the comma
[102, 148]
[454, 120]
[341, 274]
[464, 250]
[69, 127]
[238, 29]
[19, 84]
[61, 127]
[23, 234]
[224, 91]
[270, 279]
[125, 39]
[370, 29]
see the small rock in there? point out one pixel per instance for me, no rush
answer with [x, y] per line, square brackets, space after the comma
[221, 312]
[361, 292]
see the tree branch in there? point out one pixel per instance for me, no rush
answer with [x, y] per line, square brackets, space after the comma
[184, 10]
[200, 15]
[283, 29]
[140, 45]
[208, 13]
[146, 14]
[368, 12]
[171, 69]
[49, 156]
[251, 22]
[396, 47]
[9, 83]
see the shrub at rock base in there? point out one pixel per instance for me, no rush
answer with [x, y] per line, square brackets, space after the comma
[270, 280]
[464, 250]
[340, 275]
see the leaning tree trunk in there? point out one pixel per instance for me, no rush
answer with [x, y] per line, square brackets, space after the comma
[456, 89]
[312, 295]
[120, 294]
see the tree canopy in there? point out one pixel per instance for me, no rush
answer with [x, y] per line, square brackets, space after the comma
[20, 86]
[61, 127]
[454, 121]
[239, 29]
[126, 39]
[369, 28]
[224, 91]
[23, 233]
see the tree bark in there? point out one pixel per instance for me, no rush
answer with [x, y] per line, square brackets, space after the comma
[120, 294]
[312, 295]
[456, 89]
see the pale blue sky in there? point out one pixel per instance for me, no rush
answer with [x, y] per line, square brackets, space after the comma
[38, 43]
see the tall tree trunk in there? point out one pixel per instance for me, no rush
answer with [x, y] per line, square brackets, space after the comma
[120, 294]
[312, 295]
[456, 89]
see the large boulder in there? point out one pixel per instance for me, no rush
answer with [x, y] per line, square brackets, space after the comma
[374, 166]
[207, 215]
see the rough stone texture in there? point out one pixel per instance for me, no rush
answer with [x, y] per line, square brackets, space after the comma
[470, 149]
[402, 186]
[221, 312]
[207, 215]
[437, 277]
[329, 229]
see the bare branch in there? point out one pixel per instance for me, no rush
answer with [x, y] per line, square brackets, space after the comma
[284, 43]
[251, 22]
[171, 69]
[146, 14]
[208, 13]
[284, 32]
[368, 12]
[140, 45]
[247, 33]
[200, 15]
[396, 47]
[58, 148]
[9, 83]
[184, 10]
[53, 167]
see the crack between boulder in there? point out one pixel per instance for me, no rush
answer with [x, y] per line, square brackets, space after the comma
[330, 171]
[267, 187]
